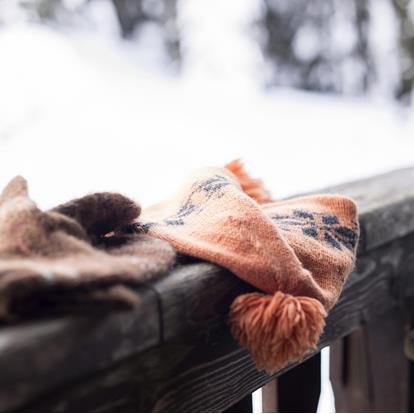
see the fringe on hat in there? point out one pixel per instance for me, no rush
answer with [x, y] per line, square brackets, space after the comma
[251, 186]
[276, 329]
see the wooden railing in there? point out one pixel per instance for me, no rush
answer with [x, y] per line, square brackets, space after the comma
[175, 353]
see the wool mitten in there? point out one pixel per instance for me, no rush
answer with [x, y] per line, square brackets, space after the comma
[298, 252]
[73, 257]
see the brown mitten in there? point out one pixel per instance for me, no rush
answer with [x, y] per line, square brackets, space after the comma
[71, 258]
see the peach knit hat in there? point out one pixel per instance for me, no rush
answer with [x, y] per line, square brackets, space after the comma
[298, 252]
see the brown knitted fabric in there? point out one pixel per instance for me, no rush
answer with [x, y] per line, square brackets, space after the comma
[72, 258]
[298, 252]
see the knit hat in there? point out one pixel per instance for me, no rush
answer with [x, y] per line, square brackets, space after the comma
[298, 252]
[74, 256]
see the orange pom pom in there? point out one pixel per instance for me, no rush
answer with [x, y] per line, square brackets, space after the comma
[276, 329]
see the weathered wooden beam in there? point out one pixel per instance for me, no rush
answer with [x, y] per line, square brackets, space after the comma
[37, 356]
[175, 353]
[205, 370]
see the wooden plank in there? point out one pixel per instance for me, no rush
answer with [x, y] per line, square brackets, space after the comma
[369, 371]
[192, 363]
[206, 370]
[35, 357]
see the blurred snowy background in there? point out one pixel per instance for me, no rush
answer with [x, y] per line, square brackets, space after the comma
[131, 95]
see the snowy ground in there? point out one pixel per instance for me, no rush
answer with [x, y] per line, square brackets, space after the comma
[83, 111]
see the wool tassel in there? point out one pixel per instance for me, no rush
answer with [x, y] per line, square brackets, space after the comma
[276, 329]
[252, 187]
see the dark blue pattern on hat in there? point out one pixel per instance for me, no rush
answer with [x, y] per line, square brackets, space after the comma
[323, 227]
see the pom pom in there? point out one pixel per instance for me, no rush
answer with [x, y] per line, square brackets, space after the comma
[276, 329]
[252, 187]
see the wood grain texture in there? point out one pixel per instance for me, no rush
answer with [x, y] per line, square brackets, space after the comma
[36, 357]
[175, 353]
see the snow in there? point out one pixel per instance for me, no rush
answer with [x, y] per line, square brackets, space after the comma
[82, 110]
[85, 111]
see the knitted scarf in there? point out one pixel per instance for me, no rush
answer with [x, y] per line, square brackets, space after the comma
[298, 252]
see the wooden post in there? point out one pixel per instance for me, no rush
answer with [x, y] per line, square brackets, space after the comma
[270, 397]
[369, 371]
[300, 388]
